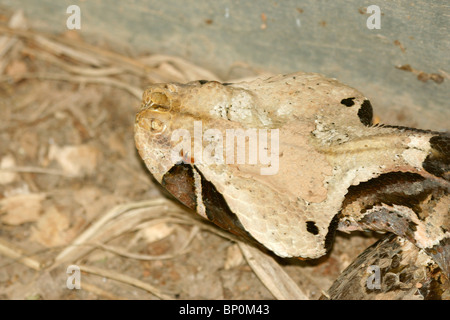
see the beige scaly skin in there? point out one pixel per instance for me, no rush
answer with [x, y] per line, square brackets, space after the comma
[334, 168]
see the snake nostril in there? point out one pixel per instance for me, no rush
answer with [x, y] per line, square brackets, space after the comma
[157, 101]
[146, 100]
[160, 98]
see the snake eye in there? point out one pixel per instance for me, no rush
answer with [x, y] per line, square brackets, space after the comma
[156, 125]
[151, 121]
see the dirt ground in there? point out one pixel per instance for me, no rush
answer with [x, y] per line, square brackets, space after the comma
[74, 191]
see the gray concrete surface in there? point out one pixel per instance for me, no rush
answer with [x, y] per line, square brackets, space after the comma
[329, 37]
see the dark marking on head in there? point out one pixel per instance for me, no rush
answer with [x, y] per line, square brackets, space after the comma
[393, 188]
[438, 161]
[312, 228]
[365, 113]
[348, 102]
[179, 181]
[202, 82]
[218, 210]
[227, 83]
[329, 238]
